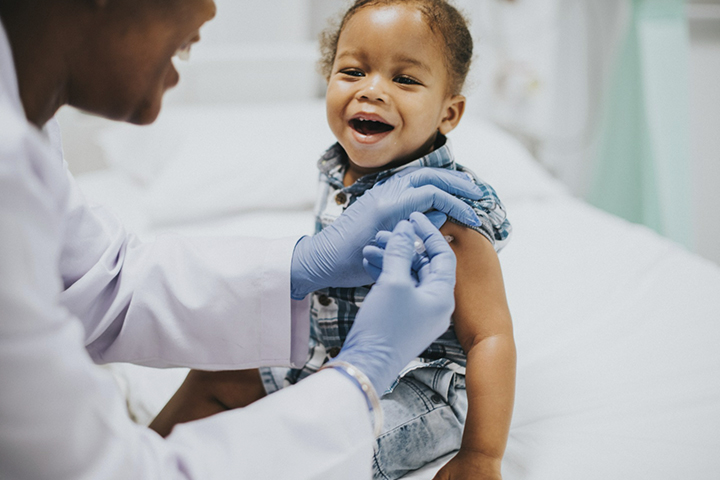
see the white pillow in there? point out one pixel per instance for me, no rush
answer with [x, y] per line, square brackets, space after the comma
[199, 162]
[502, 161]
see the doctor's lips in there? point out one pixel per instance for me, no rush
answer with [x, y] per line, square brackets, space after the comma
[367, 124]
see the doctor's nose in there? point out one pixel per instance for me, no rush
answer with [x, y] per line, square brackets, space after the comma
[373, 90]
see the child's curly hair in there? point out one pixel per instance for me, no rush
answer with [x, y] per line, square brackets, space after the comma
[442, 18]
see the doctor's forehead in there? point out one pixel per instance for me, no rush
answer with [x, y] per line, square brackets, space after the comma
[206, 8]
[200, 10]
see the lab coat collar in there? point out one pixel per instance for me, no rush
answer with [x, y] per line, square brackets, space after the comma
[10, 94]
[8, 76]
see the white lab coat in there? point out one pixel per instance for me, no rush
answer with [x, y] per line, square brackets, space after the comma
[76, 289]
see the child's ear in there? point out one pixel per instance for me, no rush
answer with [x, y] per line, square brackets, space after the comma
[454, 109]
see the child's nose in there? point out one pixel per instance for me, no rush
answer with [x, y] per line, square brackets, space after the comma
[373, 89]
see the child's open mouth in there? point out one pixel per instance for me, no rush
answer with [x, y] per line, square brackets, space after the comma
[369, 127]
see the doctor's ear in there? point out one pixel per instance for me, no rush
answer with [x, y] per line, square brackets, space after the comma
[454, 109]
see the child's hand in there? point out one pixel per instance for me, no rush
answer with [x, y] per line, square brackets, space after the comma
[467, 465]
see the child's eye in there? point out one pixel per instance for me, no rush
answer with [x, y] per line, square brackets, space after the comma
[404, 80]
[352, 72]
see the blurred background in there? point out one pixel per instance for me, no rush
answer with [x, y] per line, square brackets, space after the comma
[619, 99]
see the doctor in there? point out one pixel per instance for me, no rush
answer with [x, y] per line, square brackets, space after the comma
[76, 289]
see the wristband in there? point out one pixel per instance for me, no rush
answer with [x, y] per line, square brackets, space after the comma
[367, 388]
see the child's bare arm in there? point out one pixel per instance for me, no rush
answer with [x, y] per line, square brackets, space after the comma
[484, 329]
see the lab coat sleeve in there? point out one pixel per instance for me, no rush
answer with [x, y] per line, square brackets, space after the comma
[62, 417]
[208, 303]
[305, 442]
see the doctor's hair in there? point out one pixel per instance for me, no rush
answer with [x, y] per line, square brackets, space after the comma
[440, 15]
[12, 7]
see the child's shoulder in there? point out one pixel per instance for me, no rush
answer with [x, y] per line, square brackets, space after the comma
[486, 189]
[491, 211]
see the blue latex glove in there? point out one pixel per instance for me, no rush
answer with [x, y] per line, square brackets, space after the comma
[401, 316]
[333, 257]
[373, 254]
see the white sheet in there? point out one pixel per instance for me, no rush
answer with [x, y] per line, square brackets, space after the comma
[616, 328]
[617, 337]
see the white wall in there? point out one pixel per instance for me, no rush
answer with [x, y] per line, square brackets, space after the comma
[258, 21]
[550, 101]
[254, 51]
[248, 50]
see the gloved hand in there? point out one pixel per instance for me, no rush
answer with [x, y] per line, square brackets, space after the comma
[333, 257]
[400, 316]
[373, 254]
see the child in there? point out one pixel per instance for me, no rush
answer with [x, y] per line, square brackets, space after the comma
[395, 70]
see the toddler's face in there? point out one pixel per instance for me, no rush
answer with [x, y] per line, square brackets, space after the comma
[387, 95]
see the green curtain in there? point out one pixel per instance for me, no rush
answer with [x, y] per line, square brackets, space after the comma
[642, 170]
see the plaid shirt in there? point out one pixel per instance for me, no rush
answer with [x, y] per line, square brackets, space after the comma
[333, 310]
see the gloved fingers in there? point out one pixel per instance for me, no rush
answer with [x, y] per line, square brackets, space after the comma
[373, 260]
[372, 269]
[442, 260]
[437, 218]
[405, 172]
[373, 257]
[382, 237]
[429, 197]
[398, 256]
[451, 181]
[435, 243]
[421, 266]
[373, 253]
